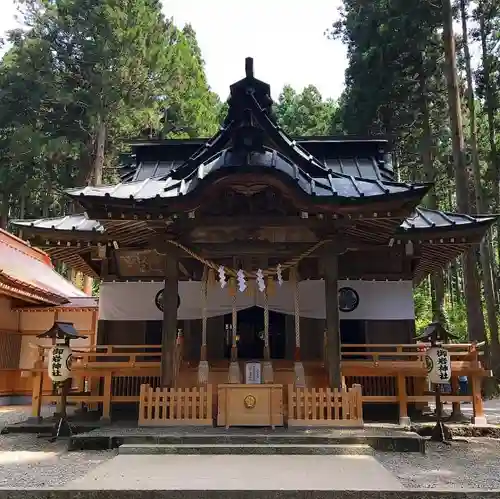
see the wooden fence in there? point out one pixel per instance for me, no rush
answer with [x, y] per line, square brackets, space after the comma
[325, 407]
[175, 406]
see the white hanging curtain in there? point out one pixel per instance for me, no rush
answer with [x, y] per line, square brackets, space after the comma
[135, 301]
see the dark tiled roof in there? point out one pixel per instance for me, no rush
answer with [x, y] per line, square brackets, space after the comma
[240, 147]
[80, 223]
[423, 219]
[359, 167]
[334, 185]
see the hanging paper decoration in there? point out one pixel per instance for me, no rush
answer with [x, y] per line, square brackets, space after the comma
[222, 277]
[260, 280]
[279, 274]
[242, 285]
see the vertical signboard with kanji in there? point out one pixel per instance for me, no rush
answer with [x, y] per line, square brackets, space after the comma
[438, 364]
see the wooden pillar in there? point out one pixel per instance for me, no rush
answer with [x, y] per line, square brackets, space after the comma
[330, 260]
[477, 401]
[106, 403]
[169, 333]
[404, 420]
[477, 397]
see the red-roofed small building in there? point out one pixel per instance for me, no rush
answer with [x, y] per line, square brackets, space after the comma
[32, 296]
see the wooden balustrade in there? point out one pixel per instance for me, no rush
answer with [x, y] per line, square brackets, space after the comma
[394, 374]
[325, 407]
[175, 406]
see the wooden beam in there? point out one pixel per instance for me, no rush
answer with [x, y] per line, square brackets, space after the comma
[259, 221]
[169, 333]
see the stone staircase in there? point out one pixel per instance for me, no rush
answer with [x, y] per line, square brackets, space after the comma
[219, 441]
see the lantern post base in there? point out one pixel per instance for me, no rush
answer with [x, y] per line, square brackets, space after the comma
[62, 428]
[441, 433]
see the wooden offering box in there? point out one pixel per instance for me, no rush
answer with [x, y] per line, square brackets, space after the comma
[250, 405]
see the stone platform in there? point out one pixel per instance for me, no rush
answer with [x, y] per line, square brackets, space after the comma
[249, 473]
[377, 438]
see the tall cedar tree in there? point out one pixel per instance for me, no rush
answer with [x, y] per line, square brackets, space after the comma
[89, 74]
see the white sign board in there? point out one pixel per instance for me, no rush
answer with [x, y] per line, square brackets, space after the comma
[253, 374]
[438, 365]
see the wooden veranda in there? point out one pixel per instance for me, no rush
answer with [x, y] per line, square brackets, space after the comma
[108, 375]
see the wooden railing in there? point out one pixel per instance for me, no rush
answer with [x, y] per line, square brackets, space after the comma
[393, 374]
[175, 406]
[325, 407]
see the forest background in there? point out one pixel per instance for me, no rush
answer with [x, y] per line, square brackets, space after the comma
[85, 75]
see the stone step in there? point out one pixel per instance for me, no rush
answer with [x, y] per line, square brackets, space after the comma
[246, 449]
[101, 440]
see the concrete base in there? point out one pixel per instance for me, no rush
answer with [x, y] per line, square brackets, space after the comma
[34, 420]
[249, 473]
[480, 421]
[247, 494]
[405, 421]
[246, 449]
[114, 437]
[14, 400]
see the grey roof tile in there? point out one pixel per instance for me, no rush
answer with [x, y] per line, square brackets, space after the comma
[338, 185]
[423, 219]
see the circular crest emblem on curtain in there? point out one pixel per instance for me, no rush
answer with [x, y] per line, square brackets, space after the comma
[348, 299]
[159, 300]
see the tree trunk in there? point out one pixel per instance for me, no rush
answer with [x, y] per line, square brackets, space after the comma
[98, 167]
[426, 144]
[485, 252]
[490, 106]
[96, 179]
[4, 212]
[475, 319]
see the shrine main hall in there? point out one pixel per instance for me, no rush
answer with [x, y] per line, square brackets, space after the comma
[253, 278]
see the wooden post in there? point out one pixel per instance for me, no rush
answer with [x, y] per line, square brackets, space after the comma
[456, 413]
[477, 402]
[106, 404]
[169, 335]
[404, 420]
[477, 398]
[37, 389]
[333, 354]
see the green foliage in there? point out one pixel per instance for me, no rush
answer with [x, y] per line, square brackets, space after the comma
[305, 113]
[85, 72]
[395, 71]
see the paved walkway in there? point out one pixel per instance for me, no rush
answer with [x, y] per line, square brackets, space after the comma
[237, 472]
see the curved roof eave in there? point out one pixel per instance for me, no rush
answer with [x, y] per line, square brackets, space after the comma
[420, 219]
[339, 189]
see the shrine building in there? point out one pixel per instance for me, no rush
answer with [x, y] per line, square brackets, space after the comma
[255, 278]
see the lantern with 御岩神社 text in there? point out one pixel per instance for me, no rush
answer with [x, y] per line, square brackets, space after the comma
[438, 364]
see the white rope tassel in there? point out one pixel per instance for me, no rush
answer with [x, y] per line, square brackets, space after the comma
[234, 366]
[300, 377]
[267, 368]
[203, 368]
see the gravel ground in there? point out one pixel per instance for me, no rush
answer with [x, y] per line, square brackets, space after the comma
[29, 462]
[470, 464]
